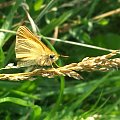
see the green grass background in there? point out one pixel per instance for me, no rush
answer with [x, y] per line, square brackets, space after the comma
[62, 98]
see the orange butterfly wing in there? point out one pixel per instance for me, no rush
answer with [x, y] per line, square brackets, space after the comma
[29, 49]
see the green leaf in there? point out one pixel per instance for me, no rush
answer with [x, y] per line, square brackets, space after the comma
[36, 112]
[8, 21]
[103, 22]
[56, 22]
[2, 58]
[10, 53]
[45, 10]
[38, 5]
[35, 108]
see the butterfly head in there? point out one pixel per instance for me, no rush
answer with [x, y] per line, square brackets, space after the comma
[53, 57]
[48, 59]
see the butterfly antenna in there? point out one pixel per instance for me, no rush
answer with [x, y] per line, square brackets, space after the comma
[64, 56]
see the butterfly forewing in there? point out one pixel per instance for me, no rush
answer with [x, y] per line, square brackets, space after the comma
[29, 49]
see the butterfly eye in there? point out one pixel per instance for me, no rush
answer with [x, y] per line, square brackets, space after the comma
[52, 56]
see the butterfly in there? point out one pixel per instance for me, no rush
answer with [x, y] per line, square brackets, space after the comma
[31, 51]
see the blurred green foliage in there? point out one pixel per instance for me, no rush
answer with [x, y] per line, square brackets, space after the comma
[62, 98]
